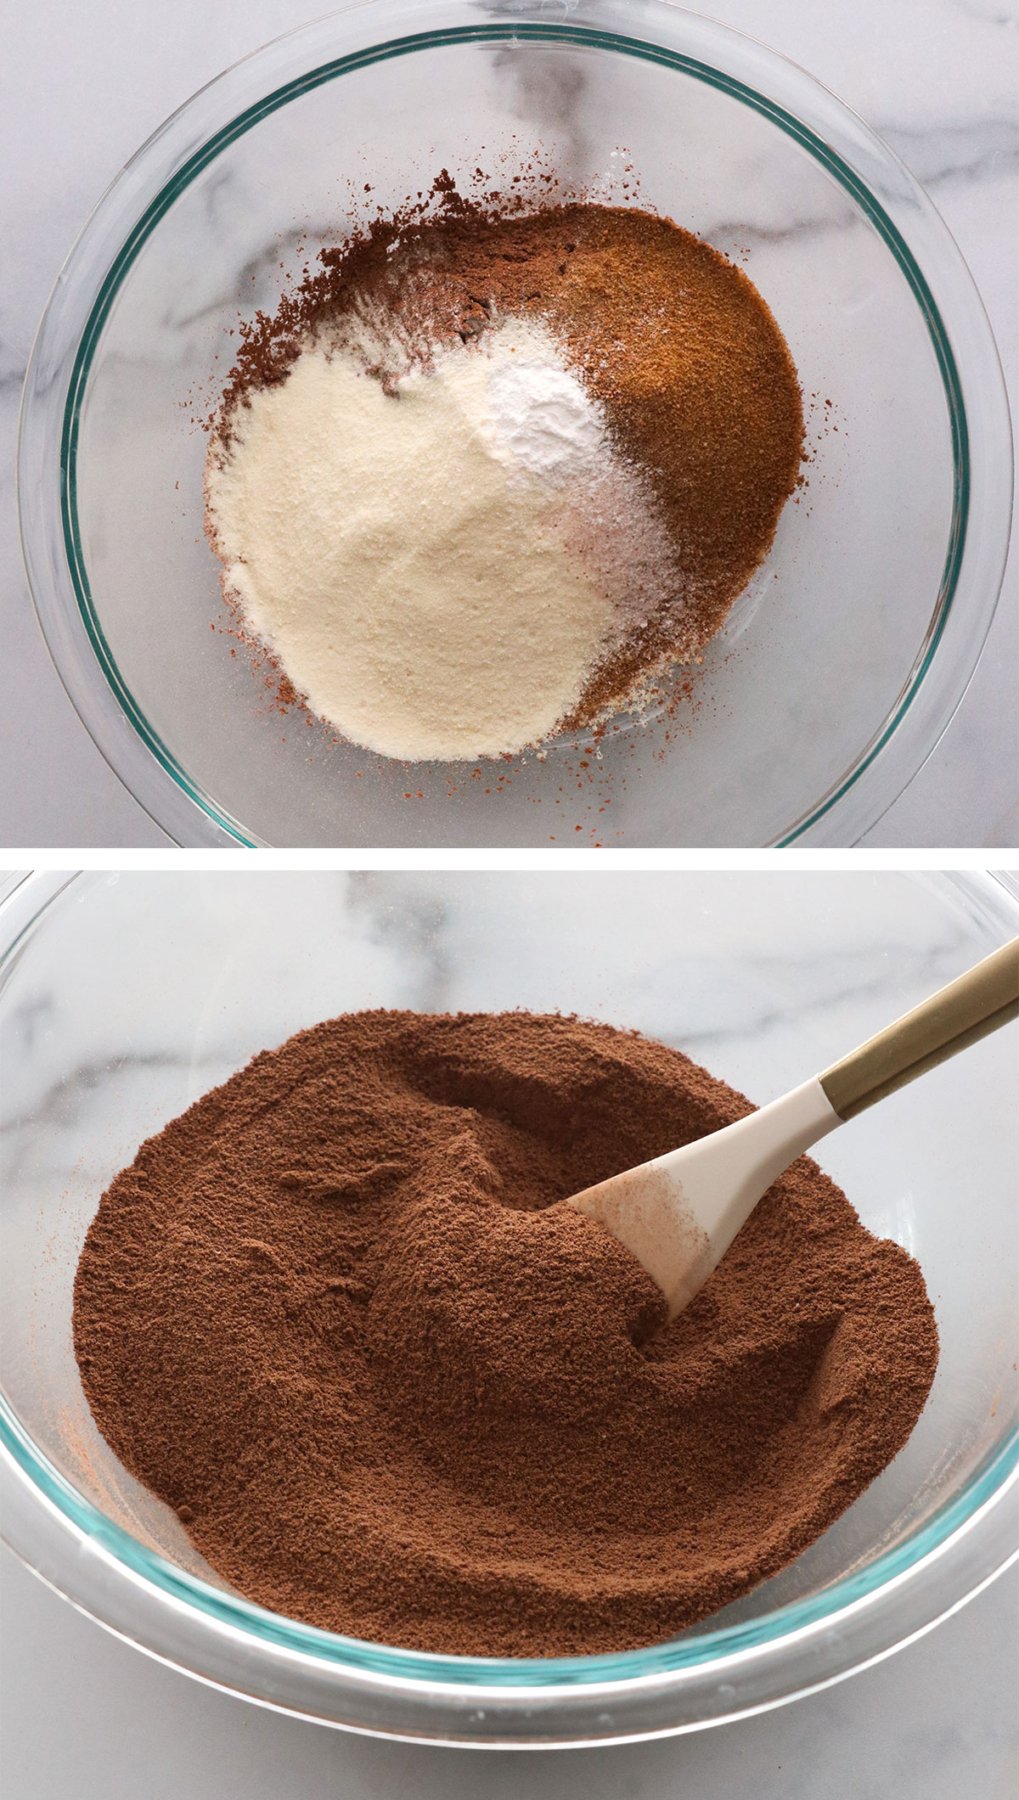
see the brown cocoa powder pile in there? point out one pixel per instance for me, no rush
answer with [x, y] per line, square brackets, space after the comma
[333, 1316]
[675, 342]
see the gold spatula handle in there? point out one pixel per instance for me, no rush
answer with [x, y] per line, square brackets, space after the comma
[959, 1014]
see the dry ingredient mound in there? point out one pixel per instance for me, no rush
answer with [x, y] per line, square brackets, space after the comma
[333, 1316]
[449, 561]
[437, 564]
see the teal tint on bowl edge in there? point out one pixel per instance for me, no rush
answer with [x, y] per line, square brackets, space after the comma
[629, 1665]
[948, 1545]
[494, 33]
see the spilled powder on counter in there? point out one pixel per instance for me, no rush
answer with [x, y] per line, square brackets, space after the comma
[333, 1316]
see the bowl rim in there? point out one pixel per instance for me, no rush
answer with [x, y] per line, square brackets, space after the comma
[875, 180]
[494, 1676]
[969, 1538]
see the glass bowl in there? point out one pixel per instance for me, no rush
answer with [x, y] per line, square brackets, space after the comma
[123, 998]
[842, 663]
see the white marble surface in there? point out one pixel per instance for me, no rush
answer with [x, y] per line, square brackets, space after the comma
[138, 994]
[936, 77]
[923, 1726]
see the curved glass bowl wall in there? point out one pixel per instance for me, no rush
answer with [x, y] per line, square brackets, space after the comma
[124, 998]
[841, 665]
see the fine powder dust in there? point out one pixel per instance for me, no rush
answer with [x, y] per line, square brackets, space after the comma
[334, 1318]
[438, 562]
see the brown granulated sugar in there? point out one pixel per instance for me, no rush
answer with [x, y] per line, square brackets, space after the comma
[334, 1317]
[696, 381]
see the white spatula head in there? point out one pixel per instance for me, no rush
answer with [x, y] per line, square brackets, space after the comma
[679, 1213]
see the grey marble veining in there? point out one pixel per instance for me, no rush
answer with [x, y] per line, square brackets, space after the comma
[936, 77]
[950, 154]
[757, 973]
[138, 993]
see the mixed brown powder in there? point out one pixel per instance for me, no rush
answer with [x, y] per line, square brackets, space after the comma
[673, 340]
[333, 1316]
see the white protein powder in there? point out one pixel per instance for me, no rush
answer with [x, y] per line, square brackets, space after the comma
[416, 560]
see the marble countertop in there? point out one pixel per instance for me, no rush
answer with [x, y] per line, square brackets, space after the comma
[142, 996]
[935, 77]
[925, 1725]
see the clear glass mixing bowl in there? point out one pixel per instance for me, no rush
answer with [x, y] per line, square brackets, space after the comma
[841, 665]
[123, 998]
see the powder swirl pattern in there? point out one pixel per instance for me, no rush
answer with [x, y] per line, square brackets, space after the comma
[333, 1316]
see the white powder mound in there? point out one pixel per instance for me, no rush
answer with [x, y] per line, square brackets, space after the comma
[418, 560]
[532, 412]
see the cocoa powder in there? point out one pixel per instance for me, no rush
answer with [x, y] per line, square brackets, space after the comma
[675, 342]
[333, 1316]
